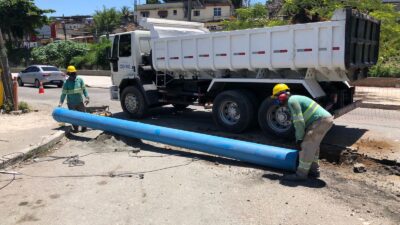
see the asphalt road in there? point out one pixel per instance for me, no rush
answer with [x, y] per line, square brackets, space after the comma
[140, 182]
[348, 129]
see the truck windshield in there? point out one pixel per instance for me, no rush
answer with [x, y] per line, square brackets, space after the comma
[144, 45]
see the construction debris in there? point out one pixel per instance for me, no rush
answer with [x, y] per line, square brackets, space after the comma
[359, 168]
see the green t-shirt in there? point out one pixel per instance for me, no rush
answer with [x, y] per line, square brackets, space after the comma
[73, 90]
[304, 112]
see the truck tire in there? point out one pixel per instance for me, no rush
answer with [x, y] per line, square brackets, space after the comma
[133, 102]
[180, 107]
[275, 119]
[233, 111]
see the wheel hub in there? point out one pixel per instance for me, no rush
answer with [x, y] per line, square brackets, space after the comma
[278, 118]
[229, 112]
[131, 103]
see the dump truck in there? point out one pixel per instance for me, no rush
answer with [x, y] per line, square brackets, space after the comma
[182, 63]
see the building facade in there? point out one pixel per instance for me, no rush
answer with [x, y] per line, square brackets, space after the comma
[208, 12]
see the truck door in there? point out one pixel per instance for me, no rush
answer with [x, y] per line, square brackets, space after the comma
[123, 65]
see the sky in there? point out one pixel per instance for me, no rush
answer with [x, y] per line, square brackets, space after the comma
[87, 7]
[81, 7]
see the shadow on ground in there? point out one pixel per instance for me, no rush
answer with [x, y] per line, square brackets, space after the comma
[335, 143]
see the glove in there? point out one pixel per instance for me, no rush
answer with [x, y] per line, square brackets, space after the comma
[298, 144]
[60, 104]
[87, 100]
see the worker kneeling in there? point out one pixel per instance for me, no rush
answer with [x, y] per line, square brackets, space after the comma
[73, 89]
[311, 122]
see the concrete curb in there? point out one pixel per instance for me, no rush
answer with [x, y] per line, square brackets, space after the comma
[26, 153]
[379, 106]
[90, 86]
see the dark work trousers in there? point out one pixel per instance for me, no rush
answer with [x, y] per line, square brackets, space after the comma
[81, 108]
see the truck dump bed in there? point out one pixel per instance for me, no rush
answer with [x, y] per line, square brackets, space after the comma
[349, 41]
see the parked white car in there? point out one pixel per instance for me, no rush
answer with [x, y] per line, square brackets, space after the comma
[41, 73]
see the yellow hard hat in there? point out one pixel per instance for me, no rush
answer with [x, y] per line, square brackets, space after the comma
[280, 88]
[71, 69]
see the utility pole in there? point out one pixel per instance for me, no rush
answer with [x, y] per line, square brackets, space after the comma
[189, 10]
[63, 26]
[5, 76]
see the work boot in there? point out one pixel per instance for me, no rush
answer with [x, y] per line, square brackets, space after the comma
[84, 129]
[75, 129]
[294, 177]
[314, 170]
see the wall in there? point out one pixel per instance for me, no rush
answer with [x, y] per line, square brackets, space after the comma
[207, 14]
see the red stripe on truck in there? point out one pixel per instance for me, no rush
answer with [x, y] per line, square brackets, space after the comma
[281, 51]
[304, 50]
[259, 53]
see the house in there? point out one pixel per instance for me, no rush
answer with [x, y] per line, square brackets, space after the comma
[210, 12]
[396, 3]
[72, 26]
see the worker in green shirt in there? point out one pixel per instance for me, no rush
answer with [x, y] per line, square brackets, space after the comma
[311, 122]
[73, 89]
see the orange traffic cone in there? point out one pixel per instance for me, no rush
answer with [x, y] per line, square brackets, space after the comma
[41, 88]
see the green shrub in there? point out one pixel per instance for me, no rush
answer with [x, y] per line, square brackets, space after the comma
[24, 106]
[385, 70]
[59, 53]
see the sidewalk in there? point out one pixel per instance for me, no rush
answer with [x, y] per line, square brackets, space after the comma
[379, 97]
[96, 81]
[22, 134]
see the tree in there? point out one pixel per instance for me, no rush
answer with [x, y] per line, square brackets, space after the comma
[126, 13]
[5, 73]
[237, 4]
[153, 2]
[251, 17]
[20, 18]
[59, 53]
[106, 20]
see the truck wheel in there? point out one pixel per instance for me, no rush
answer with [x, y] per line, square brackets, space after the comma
[180, 107]
[133, 102]
[275, 119]
[233, 111]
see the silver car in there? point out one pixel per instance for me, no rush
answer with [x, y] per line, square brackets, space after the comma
[41, 73]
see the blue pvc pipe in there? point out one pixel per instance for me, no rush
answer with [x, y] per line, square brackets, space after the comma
[264, 155]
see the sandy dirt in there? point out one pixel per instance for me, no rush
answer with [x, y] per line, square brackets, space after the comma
[129, 181]
[22, 131]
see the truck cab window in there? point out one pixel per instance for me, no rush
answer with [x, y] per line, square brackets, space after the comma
[115, 47]
[125, 45]
[114, 54]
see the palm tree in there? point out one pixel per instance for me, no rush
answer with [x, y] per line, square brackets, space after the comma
[126, 13]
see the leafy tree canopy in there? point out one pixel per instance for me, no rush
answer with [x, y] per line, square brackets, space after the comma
[107, 20]
[21, 17]
[58, 53]
[251, 17]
